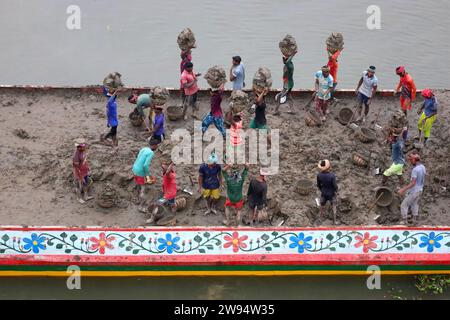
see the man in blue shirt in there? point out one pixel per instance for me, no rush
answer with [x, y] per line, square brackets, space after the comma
[428, 113]
[237, 73]
[398, 160]
[158, 125]
[111, 115]
[210, 181]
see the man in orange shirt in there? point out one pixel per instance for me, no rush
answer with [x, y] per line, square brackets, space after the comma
[408, 89]
[334, 66]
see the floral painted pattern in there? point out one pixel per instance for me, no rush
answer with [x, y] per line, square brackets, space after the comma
[367, 242]
[300, 242]
[34, 243]
[168, 244]
[431, 241]
[102, 242]
[197, 241]
[235, 241]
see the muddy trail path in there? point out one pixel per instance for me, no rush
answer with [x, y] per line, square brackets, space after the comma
[38, 129]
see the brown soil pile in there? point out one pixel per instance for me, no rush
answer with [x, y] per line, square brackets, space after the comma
[37, 184]
[160, 95]
[216, 76]
[186, 39]
[239, 101]
[262, 78]
[113, 81]
[335, 42]
[288, 45]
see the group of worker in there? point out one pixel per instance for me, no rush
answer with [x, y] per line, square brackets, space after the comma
[210, 179]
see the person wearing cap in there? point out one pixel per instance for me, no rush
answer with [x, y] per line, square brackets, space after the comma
[323, 86]
[257, 195]
[237, 73]
[158, 132]
[81, 171]
[143, 101]
[209, 183]
[395, 138]
[216, 114]
[413, 191]
[326, 182]
[365, 91]
[427, 113]
[234, 180]
[407, 89]
[334, 66]
[189, 85]
[141, 170]
[111, 115]
[288, 84]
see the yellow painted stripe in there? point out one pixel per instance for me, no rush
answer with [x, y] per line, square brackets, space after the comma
[210, 273]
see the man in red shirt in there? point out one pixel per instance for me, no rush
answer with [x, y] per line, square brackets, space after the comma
[334, 66]
[169, 185]
[407, 87]
[188, 83]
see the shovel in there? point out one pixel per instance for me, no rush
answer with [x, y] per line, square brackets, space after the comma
[197, 195]
[419, 145]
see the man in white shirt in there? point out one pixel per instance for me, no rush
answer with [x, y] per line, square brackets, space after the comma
[367, 86]
[323, 86]
[237, 73]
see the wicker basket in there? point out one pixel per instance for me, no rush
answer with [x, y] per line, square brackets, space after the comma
[385, 196]
[174, 113]
[304, 187]
[135, 119]
[345, 115]
[359, 160]
[181, 203]
[312, 120]
[366, 135]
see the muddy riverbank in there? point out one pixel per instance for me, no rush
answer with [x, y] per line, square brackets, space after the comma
[37, 131]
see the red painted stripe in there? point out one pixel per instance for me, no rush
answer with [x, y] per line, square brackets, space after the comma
[230, 259]
[176, 229]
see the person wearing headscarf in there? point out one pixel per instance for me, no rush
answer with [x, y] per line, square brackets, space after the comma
[326, 182]
[210, 182]
[427, 113]
[407, 89]
[81, 171]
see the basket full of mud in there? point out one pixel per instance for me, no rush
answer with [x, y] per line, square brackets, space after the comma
[304, 187]
[107, 197]
[216, 76]
[335, 42]
[384, 196]
[366, 135]
[239, 101]
[174, 113]
[186, 39]
[135, 119]
[113, 81]
[288, 46]
[345, 115]
[160, 95]
[262, 79]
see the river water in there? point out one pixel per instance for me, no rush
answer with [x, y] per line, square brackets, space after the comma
[306, 287]
[138, 38]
